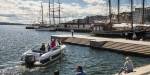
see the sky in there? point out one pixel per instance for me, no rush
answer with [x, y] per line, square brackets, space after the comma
[29, 11]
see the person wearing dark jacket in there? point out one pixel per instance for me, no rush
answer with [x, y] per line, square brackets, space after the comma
[43, 47]
[80, 71]
[128, 66]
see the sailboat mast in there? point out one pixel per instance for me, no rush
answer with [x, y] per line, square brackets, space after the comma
[49, 12]
[42, 13]
[131, 14]
[53, 12]
[143, 16]
[59, 10]
[118, 11]
[110, 15]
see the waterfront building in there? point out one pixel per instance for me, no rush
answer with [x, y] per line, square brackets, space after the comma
[138, 15]
[85, 23]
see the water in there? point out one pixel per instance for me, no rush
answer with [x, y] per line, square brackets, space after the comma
[14, 40]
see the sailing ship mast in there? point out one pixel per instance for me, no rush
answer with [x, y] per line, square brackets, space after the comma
[118, 11]
[143, 16]
[59, 11]
[42, 22]
[132, 15]
[49, 12]
[53, 12]
[110, 15]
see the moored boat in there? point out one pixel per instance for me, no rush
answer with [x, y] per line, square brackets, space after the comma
[46, 28]
[31, 27]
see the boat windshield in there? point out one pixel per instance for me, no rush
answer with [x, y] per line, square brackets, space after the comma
[36, 48]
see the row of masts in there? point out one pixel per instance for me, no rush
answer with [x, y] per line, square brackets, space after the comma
[131, 5]
[51, 9]
[53, 21]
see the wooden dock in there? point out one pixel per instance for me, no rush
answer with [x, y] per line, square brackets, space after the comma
[112, 44]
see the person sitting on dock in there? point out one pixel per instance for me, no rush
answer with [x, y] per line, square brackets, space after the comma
[80, 71]
[43, 47]
[128, 66]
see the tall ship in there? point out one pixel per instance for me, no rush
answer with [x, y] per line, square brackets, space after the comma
[42, 25]
[127, 29]
[52, 26]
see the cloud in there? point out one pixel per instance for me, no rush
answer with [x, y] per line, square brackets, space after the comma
[77, 11]
[19, 10]
[95, 1]
[28, 11]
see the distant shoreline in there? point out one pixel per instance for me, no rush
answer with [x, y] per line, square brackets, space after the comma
[12, 24]
[7, 23]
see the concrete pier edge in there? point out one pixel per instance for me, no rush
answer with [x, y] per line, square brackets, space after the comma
[119, 47]
[143, 48]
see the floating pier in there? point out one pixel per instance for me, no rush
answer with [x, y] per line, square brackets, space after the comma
[112, 44]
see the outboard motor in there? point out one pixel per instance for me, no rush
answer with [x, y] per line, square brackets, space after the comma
[29, 60]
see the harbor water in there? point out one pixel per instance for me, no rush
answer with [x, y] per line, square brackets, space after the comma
[14, 40]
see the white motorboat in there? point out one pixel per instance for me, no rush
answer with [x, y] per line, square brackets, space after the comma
[37, 58]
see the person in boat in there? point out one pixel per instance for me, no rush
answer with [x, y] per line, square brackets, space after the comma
[128, 66]
[56, 72]
[53, 44]
[43, 47]
[59, 42]
[48, 47]
[80, 71]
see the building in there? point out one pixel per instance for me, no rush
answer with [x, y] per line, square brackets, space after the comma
[85, 23]
[138, 13]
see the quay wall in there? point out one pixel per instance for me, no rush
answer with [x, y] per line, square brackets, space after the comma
[121, 47]
[75, 30]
